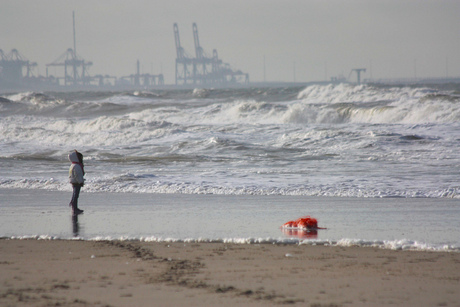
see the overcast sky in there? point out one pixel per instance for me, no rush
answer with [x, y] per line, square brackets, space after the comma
[306, 40]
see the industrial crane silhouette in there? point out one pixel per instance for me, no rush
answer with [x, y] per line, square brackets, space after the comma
[203, 61]
[182, 60]
[12, 64]
[144, 80]
[75, 68]
[202, 69]
[358, 73]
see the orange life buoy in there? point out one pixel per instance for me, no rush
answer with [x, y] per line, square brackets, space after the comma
[304, 222]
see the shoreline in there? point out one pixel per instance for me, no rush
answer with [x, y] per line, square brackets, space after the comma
[134, 273]
[343, 243]
[39, 214]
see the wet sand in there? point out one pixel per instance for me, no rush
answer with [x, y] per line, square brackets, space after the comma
[133, 273]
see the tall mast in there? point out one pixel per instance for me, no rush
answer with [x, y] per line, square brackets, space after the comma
[74, 37]
[74, 52]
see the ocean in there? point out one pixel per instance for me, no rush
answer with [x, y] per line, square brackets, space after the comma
[359, 158]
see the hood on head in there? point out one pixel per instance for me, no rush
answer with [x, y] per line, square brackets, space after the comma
[73, 157]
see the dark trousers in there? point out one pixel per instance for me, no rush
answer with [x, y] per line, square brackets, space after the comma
[75, 195]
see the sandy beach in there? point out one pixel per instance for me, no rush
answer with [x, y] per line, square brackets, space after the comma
[133, 273]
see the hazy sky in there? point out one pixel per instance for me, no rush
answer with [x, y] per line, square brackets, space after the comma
[309, 40]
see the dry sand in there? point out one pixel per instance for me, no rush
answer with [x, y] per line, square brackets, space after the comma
[87, 273]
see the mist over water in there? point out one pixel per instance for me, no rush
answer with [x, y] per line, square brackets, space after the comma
[323, 140]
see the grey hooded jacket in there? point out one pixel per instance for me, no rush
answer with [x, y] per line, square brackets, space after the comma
[75, 170]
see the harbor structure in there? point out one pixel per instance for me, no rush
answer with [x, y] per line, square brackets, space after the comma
[203, 69]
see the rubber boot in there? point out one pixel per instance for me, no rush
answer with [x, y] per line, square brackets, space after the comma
[75, 210]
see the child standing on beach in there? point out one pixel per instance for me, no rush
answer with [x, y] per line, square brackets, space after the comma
[76, 173]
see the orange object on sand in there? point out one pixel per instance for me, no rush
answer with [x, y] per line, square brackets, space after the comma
[305, 222]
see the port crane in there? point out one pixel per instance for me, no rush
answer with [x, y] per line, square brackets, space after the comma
[358, 73]
[203, 69]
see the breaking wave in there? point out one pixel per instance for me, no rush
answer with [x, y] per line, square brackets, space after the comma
[323, 140]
